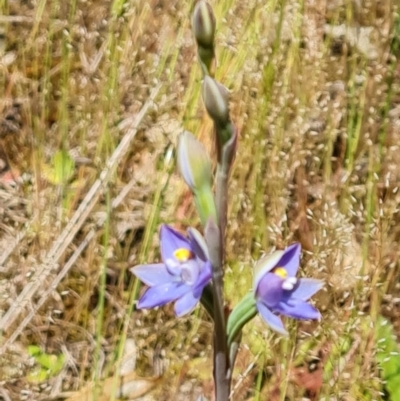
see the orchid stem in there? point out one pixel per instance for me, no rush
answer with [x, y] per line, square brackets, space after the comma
[221, 200]
[221, 352]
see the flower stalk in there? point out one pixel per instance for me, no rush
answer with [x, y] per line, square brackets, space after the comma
[221, 351]
[192, 266]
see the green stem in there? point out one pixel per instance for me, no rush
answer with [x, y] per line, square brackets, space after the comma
[221, 353]
[215, 235]
[221, 200]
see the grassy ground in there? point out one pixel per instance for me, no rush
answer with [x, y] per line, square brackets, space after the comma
[88, 175]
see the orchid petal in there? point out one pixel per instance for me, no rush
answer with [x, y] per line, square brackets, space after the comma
[198, 244]
[173, 267]
[171, 240]
[203, 279]
[265, 265]
[186, 304]
[269, 290]
[162, 294]
[272, 320]
[298, 310]
[190, 272]
[152, 274]
[290, 259]
[304, 289]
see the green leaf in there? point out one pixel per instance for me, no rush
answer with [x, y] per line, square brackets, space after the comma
[48, 364]
[242, 313]
[47, 361]
[58, 365]
[34, 350]
[388, 357]
[38, 375]
[61, 170]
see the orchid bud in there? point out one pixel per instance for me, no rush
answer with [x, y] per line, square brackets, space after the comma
[215, 98]
[203, 23]
[193, 161]
[195, 167]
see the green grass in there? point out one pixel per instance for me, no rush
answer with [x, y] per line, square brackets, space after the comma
[317, 163]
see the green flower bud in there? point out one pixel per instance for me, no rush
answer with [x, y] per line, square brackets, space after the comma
[203, 24]
[195, 167]
[216, 101]
[193, 162]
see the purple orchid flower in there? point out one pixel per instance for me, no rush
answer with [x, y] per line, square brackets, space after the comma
[183, 275]
[278, 291]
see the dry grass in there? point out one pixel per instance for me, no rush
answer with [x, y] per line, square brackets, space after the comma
[316, 97]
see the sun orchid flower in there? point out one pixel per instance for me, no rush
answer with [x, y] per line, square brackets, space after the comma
[181, 277]
[279, 292]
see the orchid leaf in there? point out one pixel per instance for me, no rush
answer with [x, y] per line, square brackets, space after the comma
[243, 312]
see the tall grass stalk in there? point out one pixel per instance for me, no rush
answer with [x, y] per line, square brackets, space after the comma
[100, 309]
